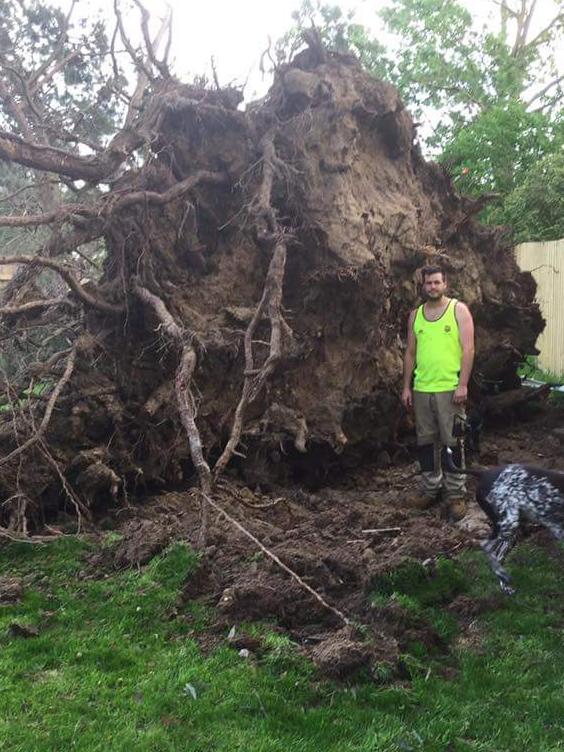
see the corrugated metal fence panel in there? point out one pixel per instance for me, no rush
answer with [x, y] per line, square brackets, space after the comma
[546, 263]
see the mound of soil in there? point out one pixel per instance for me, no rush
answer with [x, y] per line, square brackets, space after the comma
[328, 167]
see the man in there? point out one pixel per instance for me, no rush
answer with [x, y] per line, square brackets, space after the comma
[440, 346]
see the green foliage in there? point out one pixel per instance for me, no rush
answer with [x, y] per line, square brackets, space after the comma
[529, 369]
[26, 394]
[535, 208]
[83, 96]
[114, 668]
[338, 31]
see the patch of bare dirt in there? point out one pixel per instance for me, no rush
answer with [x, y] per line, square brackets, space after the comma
[11, 590]
[339, 541]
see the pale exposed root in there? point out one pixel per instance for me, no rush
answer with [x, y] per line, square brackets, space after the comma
[159, 397]
[270, 303]
[24, 538]
[184, 397]
[35, 305]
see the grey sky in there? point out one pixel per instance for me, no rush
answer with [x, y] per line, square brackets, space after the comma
[236, 32]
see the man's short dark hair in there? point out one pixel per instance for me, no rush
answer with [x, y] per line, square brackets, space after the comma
[432, 269]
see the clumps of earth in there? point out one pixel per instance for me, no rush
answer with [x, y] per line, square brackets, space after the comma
[346, 542]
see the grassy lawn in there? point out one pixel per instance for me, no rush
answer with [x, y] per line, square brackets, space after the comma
[113, 668]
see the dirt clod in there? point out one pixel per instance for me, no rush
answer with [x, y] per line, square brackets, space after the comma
[142, 540]
[11, 590]
[23, 630]
[340, 655]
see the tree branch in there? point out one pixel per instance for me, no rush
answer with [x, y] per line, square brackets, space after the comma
[34, 78]
[48, 410]
[62, 213]
[137, 59]
[34, 305]
[52, 159]
[69, 278]
[149, 46]
[543, 91]
[112, 204]
[277, 560]
[540, 36]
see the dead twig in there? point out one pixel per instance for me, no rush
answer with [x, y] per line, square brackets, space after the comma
[372, 530]
[67, 274]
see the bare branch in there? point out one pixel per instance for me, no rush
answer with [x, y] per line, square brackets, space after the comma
[62, 213]
[52, 159]
[150, 47]
[544, 90]
[48, 410]
[69, 278]
[34, 305]
[42, 70]
[169, 36]
[541, 36]
[72, 212]
[177, 191]
[28, 187]
[137, 59]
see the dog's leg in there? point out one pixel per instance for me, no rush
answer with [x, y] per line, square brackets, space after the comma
[491, 549]
[503, 547]
[498, 547]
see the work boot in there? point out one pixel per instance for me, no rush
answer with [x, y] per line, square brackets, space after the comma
[456, 508]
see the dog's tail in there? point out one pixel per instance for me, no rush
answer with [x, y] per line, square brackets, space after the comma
[452, 468]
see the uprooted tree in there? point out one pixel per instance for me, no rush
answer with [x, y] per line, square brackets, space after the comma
[257, 271]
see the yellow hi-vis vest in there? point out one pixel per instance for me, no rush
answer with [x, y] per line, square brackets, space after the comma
[439, 352]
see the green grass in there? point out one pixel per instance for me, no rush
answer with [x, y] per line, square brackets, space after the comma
[114, 668]
[529, 369]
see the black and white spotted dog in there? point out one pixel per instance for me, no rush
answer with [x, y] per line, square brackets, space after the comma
[509, 494]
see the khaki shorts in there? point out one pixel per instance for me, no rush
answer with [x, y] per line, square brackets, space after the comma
[434, 417]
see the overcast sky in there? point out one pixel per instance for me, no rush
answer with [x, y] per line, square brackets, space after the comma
[236, 32]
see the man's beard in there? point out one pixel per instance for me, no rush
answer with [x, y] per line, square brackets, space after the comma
[433, 295]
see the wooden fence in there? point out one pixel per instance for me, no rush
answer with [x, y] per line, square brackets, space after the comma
[546, 263]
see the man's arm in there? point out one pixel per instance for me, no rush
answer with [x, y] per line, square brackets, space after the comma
[466, 334]
[409, 362]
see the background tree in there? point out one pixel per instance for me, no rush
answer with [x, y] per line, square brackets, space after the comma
[61, 88]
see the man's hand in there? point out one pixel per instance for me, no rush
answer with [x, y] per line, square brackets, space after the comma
[460, 395]
[407, 397]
